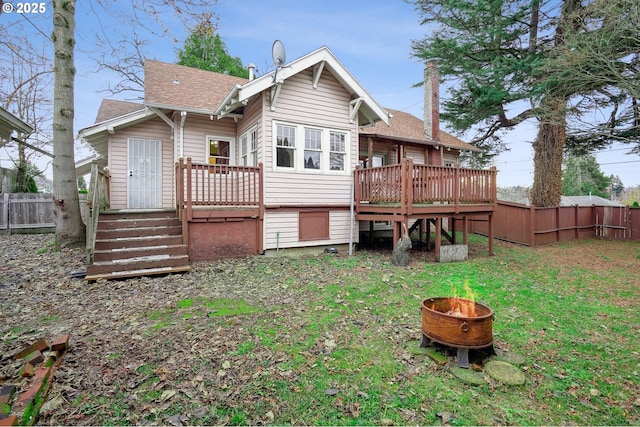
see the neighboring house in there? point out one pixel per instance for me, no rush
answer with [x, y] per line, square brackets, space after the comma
[12, 126]
[588, 201]
[264, 164]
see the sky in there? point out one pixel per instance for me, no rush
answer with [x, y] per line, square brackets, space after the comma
[371, 39]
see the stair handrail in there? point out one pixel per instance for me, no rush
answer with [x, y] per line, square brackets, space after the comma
[97, 199]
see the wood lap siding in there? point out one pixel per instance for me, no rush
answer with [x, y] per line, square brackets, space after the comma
[327, 106]
[196, 129]
[152, 129]
[417, 154]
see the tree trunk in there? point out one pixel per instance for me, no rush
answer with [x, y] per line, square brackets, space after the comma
[70, 229]
[547, 159]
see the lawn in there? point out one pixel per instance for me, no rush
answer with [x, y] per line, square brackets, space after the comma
[333, 340]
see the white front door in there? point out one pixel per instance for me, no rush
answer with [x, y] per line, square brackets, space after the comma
[144, 183]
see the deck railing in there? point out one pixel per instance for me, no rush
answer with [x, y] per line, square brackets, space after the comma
[408, 184]
[97, 200]
[201, 184]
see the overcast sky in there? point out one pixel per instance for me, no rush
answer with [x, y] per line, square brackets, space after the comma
[372, 40]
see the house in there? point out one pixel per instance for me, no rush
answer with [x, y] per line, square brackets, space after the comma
[259, 165]
[12, 126]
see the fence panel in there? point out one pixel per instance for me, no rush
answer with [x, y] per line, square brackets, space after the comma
[535, 226]
[22, 211]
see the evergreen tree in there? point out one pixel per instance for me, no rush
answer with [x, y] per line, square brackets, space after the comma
[509, 61]
[205, 50]
[616, 186]
[582, 177]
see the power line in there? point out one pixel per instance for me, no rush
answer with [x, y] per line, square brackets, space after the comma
[36, 27]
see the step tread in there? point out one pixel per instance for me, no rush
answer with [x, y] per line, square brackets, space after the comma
[140, 259]
[138, 248]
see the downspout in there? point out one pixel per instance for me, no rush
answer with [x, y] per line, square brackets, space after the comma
[183, 117]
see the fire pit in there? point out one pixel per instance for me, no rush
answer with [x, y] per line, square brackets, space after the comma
[459, 323]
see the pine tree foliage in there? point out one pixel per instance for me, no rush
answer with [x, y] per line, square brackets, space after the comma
[204, 49]
[582, 177]
[558, 63]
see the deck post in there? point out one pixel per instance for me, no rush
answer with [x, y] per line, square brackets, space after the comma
[189, 195]
[396, 235]
[260, 222]
[465, 230]
[438, 238]
[456, 187]
[490, 234]
[452, 223]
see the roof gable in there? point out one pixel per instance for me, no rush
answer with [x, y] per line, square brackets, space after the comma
[408, 128]
[185, 88]
[321, 60]
[112, 108]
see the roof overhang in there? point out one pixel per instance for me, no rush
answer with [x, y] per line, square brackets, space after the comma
[180, 108]
[97, 135]
[419, 142]
[83, 167]
[10, 123]
[362, 107]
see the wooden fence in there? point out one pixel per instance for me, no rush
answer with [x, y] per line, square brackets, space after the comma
[534, 226]
[22, 212]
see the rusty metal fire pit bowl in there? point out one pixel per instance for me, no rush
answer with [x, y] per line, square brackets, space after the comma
[459, 323]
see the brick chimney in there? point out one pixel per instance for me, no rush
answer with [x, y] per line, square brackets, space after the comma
[432, 110]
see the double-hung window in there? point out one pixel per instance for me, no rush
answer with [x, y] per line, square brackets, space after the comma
[285, 146]
[248, 148]
[312, 148]
[337, 150]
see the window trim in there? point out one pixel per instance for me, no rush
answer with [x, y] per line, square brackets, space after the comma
[299, 149]
[232, 147]
[252, 147]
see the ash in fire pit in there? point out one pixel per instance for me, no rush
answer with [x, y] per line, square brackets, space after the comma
[458, 323]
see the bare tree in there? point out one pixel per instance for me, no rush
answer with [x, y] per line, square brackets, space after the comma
[125, 53]
[24, 90]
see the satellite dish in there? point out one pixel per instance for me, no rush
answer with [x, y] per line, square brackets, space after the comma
[278, 53]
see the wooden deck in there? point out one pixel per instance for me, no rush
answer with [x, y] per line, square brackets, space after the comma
[402, 192]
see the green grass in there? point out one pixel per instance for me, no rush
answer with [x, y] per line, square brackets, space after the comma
[199, 307]
[342, 352]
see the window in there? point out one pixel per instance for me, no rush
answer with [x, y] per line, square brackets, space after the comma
[312, 148]
[337, 150]
[249, 148]
[285, 146]
[300, 148]
[218, 151]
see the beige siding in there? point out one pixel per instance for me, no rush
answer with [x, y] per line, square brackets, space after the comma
[417, 154]
[252, 117]
[450, 156]
[339, 227]
[151, 129]
[196, 129]
[281, 230]
[299, 103]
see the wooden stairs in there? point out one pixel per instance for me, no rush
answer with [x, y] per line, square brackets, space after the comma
[130, 244]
